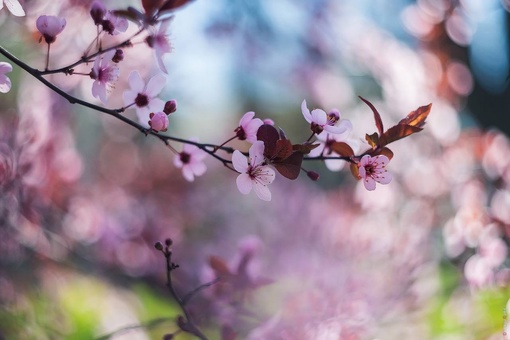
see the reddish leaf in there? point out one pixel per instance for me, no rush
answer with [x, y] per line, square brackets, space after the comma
[343, 149]
[417, 117]
[170, 5]
[219, 266]
[372, 139]
[382, 151]
[397, 132]
[304, 148]
[283, 149]
[269, 135]
[282, 133]
[377, 116]
[290, 167]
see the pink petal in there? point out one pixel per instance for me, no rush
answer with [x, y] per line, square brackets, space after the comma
[365, 160]
[362, 172]
[382, 160]
[136, 82]
[155, 85]
[240, 162]
[246, 118]
[156, 104]
[256, 153]
[369, 183]
[306, 112]
[99, 91]
[187, 172]
[5, 67]
[177, 161]
[262, 191]
[198, 168]
[159, 59]
[384, 178]
[266, 176]
[5, 83]
[129, 97]
[319, 117]
[143, 114]
[244, 183]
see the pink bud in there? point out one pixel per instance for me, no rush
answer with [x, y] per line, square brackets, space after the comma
[158, 121]
[97, 12]
[268, 121]
[50, 26]
[170, 107]
[313, 175]
[119, 56]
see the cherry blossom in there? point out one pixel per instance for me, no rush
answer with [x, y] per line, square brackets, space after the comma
[104, 75]
[248, 126]
[372, 169]
[111, 23]
[158, 121]
[144, 96]
[191, 160]
[324, 148]
[321, 121]
[254, 173]
[50, 26]
[13, 6]
[159, 42]
[5, 82]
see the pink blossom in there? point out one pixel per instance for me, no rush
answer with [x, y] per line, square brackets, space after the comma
[160, 43]
[191, 160]
[254, 173]
[144, 96]
[5, 82]
[321, 121]
[50, 26]
[13, 6]
[372, 169]
[268, 121]
[111, 23]
[324, 149]
[104, 75]
[158, 121]
[248, 127]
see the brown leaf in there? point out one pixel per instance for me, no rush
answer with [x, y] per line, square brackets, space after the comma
[269, 135]
[354, 170]
[383, 151]
[290, 167]
[304, 148]
[417, 117]
[170, 5]
[341, 148]
[151, 6]
[218, 265]
[283, 149]
[397, 132]
[372, 139]
[377, 116]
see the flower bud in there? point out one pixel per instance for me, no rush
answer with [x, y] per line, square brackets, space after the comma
[159, 246]
[97, 12]
[168, 242]
[158, 121]
[170, 107]
[313, 175]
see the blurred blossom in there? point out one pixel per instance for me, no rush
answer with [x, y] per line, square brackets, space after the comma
[50, 26]
[499, 206]
[191, 161]
[5, 82]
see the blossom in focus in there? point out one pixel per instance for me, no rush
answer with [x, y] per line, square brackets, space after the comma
[372, 169]
[144, 96]
[13, 6]
[50, 26]
[160, 43]
[254, 173]
[158, 121]
[191, 160]
[5, 82]
[104, 74]
[248, 127]
[321, 121]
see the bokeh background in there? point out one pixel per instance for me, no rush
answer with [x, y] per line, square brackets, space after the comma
[83, 198]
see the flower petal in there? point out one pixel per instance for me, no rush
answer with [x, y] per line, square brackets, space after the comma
[369, 183]
[365, 160]
[187, 172]
[244, 183]
[384, 178]
[198, 167]
[136, 82]
[155, 85]
[5, 83]
[240, 162]
[319, 117]
[5, 67]
[262, 191]
[266, 175]
[257, 153]
[362, 172]
[306, 112]
[246, 118]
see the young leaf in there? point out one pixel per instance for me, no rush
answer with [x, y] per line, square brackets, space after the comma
[304, 148]
[377, 116]
[383, 151]
[343, 149]
[283, 149]
[269, 135]
[170, 5]
[397, 132]
[372, 139]
[151, 6]
[354, 170]
[417, 117]
[290, 167]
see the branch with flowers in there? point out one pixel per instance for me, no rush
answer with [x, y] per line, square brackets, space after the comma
[270, 148]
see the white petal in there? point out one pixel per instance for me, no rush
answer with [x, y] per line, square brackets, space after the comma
[266, 175]
[99, 91]
[14, 7]
[155, 85]
[262, 191]
[198, 168]
[240, 162]
[306, 112]
[143, 114]
[156, 105]
[244, 183]
[129, 97]
[257, 153]
[319, 117]
[136, 82]
[159, 59]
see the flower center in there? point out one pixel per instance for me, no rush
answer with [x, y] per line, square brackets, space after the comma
[185, 157]
[240, 133]
[141, 100]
